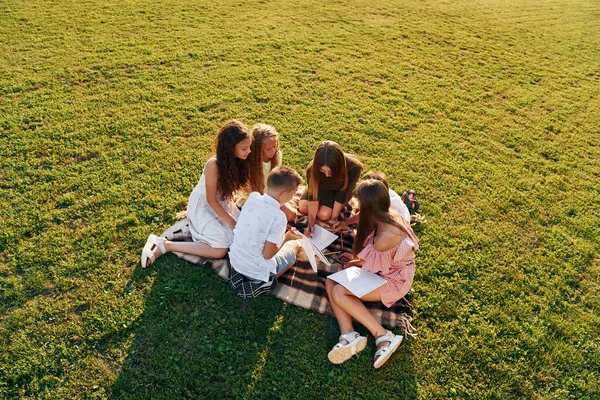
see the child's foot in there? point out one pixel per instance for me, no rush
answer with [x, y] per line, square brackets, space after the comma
[154, 248]
[350, 344]
[387, 344]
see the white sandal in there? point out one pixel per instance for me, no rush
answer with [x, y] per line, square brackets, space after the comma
[180, 234]
[148, 251]
[343, 352]
[382, 355]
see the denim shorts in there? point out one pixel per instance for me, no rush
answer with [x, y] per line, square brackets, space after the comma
[285, 256]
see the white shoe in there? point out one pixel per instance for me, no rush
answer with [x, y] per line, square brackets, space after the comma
[382, 355]
[343, 352]
[148, 251]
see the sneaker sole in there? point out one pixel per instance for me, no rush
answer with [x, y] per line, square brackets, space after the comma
[339, 355]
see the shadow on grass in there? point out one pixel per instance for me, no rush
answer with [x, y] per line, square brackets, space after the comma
[196, 339]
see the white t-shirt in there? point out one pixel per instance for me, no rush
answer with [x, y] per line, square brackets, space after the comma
[260, 221]
[397, 204]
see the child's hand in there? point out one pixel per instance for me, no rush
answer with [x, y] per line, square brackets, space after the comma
[339, 226]
[309, 230]
[345, 257]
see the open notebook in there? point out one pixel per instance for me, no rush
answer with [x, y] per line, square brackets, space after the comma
[314, 245]
[357, 280]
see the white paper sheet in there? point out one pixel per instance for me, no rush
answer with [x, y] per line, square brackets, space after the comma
[322, 238]
[357, 280]
[310, 253]
[312, 250]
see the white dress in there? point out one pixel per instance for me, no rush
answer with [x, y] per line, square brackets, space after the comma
[205, 225]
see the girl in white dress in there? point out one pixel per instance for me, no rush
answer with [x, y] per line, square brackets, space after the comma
[211, 209]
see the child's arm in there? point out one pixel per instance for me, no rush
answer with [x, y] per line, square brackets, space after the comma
[211, 173]
[313, 208]
[357, 262]
[271, 248]
[340, 226]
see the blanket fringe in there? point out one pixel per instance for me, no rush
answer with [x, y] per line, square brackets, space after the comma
[406, 327]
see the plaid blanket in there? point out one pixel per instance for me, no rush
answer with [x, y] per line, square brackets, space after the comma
[302, 287]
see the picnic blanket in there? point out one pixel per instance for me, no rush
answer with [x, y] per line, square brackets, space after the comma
[302, 287]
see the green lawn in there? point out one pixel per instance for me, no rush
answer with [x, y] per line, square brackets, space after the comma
[490, 110]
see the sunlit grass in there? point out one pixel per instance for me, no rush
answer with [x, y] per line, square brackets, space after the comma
[490, 110]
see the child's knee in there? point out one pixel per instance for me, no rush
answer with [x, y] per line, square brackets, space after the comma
[338, 292]
[290, 215]
[324, 213]
[303, 206]
[329, 284]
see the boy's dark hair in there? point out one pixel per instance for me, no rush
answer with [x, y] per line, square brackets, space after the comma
[378, 176]
[285, 178]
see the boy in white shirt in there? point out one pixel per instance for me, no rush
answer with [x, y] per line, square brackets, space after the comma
[261, 247]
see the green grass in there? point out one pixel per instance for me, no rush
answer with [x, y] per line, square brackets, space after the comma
[490, 110]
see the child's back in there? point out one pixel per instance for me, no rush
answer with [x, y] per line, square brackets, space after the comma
[260, 221]
[261, 248]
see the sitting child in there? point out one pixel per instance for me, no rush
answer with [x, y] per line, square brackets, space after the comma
[265, 156]
[385, 244]
[331, 178]
[261, 247]
[396, 202]
[211, 209]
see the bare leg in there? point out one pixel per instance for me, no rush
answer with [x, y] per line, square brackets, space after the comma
[324, 213]
[343, 318]
[195, 248]
[303, 207]
[301, 255]
[353, 307]
[337, 209]
[289, 211]
[374, 296]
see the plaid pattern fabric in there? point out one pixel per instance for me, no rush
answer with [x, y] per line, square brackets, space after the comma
[302, 287]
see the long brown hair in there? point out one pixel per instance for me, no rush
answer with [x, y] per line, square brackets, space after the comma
[233, 172]
[260, 132]
[374, 200]
[330, 154]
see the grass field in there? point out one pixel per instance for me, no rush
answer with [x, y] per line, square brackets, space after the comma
[490, 110]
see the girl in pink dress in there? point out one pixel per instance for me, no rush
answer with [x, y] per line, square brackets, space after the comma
[384, 244]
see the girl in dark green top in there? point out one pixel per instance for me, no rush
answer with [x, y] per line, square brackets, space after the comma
[331, 176]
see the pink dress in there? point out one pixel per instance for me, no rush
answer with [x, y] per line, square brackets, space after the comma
[396, 266]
